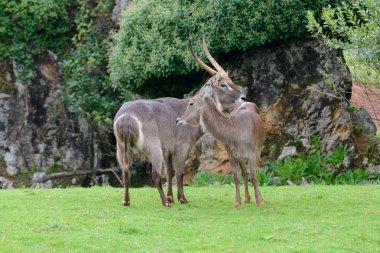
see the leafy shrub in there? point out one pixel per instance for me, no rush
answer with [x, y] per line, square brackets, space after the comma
[316, 167]
[351, 177]
[354, 27]
[28, 26]
[205, 178]
[152, 40]
[88, 89]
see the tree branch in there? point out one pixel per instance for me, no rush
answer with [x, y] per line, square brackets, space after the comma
[79, 173]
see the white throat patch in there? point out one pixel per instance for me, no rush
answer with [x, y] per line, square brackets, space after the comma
[202, 124]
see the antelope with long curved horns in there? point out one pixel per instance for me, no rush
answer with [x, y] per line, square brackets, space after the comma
[242, 133]
[224, 99]
[147, 126]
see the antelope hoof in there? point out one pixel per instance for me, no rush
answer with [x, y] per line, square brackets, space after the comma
[237, 205]
[170, 198]
[182, 200]
[167, 204]
[260, 203]
[126, 203]
[247, 200]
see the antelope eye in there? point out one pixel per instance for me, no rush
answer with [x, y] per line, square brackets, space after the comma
[223, 85]
[191, 103]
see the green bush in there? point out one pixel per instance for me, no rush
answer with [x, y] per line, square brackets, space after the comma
[152, 40]
[316, 167]
[29, 26]
[88, 90]
[353, 27]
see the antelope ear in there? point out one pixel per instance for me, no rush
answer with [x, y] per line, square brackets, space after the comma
[207, 90]
[214, 80]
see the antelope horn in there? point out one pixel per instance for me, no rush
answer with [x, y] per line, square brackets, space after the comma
[200, 62]
[221, 71]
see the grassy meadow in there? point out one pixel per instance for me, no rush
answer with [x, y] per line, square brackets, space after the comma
[293, 219]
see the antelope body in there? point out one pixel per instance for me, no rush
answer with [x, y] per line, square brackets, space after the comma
[148, 127]
[242, 133]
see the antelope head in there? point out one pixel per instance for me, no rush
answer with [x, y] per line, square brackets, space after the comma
[192, 114]
[224, 91]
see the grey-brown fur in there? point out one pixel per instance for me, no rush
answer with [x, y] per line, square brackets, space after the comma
[148, 127]
[162, 140]
[242, 132]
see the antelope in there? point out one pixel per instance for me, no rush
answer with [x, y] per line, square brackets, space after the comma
[148, 127]
[242, 133]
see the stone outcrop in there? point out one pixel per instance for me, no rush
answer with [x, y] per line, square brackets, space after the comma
[5, 183]
[300, 86]
[37, 133]
[302, 89]
[288, 152]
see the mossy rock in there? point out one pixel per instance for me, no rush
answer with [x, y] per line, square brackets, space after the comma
[3, 167]
[367, 146]
[6, 86]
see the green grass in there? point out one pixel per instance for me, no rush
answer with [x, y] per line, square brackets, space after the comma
[293, 219]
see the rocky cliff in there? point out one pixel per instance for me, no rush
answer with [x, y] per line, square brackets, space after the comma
[300, 86]
[302, 89]
[37, 133]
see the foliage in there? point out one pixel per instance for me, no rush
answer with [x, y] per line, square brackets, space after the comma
[354, 27]
[293, 219]
[316, 167]
[152, 40]
[28, 26]
[362, 72]
[88, 91]
[205, 178]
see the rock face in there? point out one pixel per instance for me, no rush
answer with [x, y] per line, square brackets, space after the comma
[301, 88]
[288, 152]
[37, 134]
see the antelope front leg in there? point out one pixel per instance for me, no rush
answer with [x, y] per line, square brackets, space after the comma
[247, 196]
[253, 165]
[181, 194]
[169, 194]
[179, 167]
[235, 172]
[237, 189]
[170, 174]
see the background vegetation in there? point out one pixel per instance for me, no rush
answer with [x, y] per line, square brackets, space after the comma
[104, 64]
[353, 27]
[152, 39]
[293, 219]
[88, 87]
[28, 26]
[151, 42]
[313, 167]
